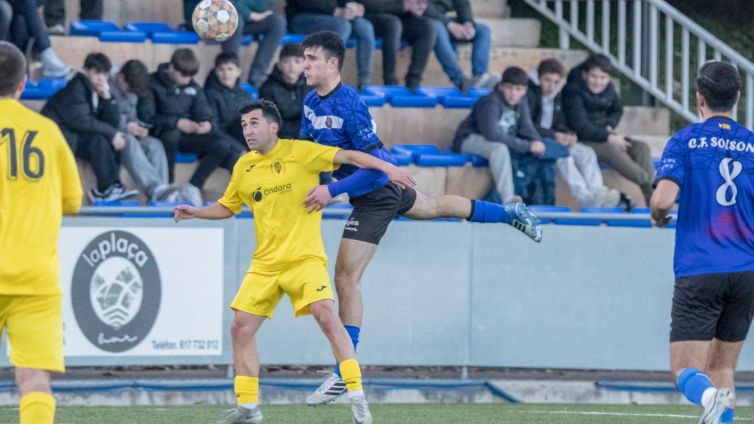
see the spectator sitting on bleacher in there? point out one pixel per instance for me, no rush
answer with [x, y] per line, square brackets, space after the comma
[6, 15]
[88, 116]
[461, 29]
[54, 14]
[27, 27]
[343, 18]
[182, 117]
[593, 110]
[579, 169]
[226, 96]
[287, 88]
[500, 121]
[144, 157]
[254, 17]
[394, 20]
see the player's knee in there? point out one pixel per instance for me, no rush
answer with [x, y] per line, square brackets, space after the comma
[240, 330]
[324, 314]
[32, 380]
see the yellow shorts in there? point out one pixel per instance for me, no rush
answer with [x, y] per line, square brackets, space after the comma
[305, 284]
[35, 330]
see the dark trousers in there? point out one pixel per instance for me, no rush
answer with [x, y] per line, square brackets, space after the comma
[272, 28]
[635, 164]
[418, 31]
[54, 11]
[534, 179]
[27, 26]
[214, 150]
[6, 14]
[98, 150]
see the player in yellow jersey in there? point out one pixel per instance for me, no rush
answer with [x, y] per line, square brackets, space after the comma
[39, 182]
[273, 180]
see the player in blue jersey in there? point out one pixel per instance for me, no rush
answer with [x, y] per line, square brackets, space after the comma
[335, 115]
[711, 164]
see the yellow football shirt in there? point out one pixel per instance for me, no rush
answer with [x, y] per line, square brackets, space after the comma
[38, 182]
[274, 186]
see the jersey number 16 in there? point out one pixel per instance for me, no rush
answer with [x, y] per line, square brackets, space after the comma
[30, 155]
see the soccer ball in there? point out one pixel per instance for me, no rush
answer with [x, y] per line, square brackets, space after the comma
[215, 20]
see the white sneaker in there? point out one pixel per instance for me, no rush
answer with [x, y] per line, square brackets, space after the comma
[330, 389]
[241, 415]
[360, 410]
[722, 401]
[486, 80]
[193, 194]
[52, 66]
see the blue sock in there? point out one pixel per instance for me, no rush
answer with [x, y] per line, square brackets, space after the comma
[482, 211]
[354, 332]
[692, 383]
[727, 417]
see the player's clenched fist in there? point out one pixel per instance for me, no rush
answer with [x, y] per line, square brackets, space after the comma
[183, 212]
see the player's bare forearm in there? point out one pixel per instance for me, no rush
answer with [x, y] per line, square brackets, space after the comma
[214, 212]
[662, 202]
[363, 160]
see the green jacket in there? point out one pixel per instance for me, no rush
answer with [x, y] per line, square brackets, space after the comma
[244, 7]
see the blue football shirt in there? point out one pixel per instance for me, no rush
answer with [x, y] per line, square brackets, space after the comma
[713, 163]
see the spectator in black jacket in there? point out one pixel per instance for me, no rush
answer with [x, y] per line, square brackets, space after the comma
[499, 122]
[394, 20]
[226, 96]
[287, 88]
[88, 115]
[343, 18]
[580, 169]
[182, 117]
[593, 110]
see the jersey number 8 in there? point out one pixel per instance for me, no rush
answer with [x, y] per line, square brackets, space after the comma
[728, 175]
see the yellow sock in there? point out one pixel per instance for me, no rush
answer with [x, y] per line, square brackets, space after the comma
[37, 408]
[351, 373]
[246, 388]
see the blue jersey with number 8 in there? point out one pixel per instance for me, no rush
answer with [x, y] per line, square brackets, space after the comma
[713, 163]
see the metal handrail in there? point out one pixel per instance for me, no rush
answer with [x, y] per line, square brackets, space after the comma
[649, 17]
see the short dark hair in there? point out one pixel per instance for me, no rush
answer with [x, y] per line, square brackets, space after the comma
[719, 84]
[184, 61]
[98, 62]
[227, 57]
[516, 76]
[599, 61]
[269, 110]
[330, 42]
[550, 66]
[136, 74]
[12, 68]
[291, 50]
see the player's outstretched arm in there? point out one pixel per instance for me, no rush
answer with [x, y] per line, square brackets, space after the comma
[214, 212]
[399, 176]
[662, 202]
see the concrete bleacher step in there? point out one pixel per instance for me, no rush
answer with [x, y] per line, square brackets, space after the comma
[513, 32]
[490, 8]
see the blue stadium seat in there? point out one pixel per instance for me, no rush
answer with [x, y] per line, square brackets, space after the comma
[538, 209]
[430, 155]
[478, 161]
[373, 100]
[632, 224]
[185, 158]
[590, 222]
[33, 91]
[250, 89]
[148, 27]
[403, 158]
[122, 36]
[117, 203]
[53, 82]
[400, 96]
[175, 37]
[292, 38]
[92, 28]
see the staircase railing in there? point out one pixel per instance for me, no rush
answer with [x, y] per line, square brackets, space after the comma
[665, 51]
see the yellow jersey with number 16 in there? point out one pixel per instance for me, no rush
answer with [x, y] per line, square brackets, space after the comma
[38, 182]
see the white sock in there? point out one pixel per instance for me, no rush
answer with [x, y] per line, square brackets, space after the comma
[355, 393]
[248, 405]
[708, 396]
